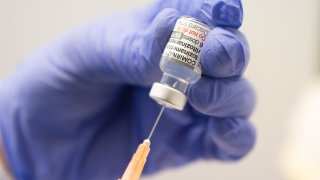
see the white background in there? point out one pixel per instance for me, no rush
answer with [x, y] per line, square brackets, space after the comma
[283, 36]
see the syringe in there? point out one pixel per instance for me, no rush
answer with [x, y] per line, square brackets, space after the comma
[136, 165]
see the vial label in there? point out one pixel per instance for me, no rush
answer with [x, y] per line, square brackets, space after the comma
[186, 42]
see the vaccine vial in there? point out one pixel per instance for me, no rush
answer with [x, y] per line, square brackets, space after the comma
[180, 63]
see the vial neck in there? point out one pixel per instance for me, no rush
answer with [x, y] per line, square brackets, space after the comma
[174, 82]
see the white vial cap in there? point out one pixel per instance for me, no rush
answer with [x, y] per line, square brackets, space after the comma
[168, 96]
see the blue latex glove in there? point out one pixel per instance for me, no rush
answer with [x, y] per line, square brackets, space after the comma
[78, 107]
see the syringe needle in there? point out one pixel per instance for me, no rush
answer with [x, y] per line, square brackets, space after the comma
[135, 167]
[156, 123]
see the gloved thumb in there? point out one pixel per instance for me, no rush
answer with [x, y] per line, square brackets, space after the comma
[127, 54]
[142, 50]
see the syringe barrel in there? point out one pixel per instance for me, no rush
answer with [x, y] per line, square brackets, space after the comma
[136, 165]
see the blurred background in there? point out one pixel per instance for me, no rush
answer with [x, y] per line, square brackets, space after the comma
[284, 36]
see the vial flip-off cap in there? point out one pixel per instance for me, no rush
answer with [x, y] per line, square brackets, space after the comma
[168, 96]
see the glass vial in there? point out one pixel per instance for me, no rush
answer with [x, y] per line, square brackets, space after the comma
[180, 62]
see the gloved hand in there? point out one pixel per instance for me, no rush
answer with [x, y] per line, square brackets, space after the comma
[78, 107]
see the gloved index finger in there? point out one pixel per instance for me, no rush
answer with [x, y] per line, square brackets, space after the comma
[224, 13]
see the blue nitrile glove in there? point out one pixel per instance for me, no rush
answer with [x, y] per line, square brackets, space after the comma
[78, 107]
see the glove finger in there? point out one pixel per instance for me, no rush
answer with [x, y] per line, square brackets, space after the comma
[209, 138]
[228, 139]
[225, 13]
[222, 97]
[225, 53]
